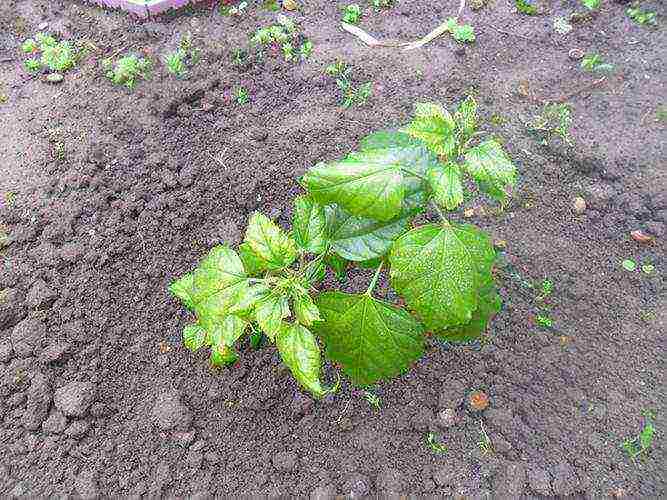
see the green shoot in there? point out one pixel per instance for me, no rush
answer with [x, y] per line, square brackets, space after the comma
[642, 17]
[629, 265]
[554, 121]
[382, 4]
[526, 7]
[484, 443]
[434, 445]
[594, 63]
[306, 49]
[175, 63]
[242, 95]
[641, 444]
[32, 65]
[54, 55]
[352, 14]
[372, 399]
[546, 289]
[30, 46]
[234, 10]
[350, 96]
[285, 37]
[661, 114]
[591, 4]
[127, 70]
[460, 32]
[543, 321]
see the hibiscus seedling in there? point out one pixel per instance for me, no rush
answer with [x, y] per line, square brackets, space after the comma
[360, 209]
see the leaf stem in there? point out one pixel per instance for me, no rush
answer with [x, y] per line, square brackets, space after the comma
[374, 281]
[440, 214]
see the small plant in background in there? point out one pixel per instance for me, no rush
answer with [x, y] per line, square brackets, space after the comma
[372, 399]
[351, 96]
[661, 114]
[185, 57]
[352, 13]
[127, 70]
[591, 4]
[233, 10]
[241, 95]
[463, 33]
[526, 7]
[642, 17]
[554, 121]
[285, 38]
[433, 444]
[382, 4]
[640, 445]
[629, 265]
[594, 63]
[543, 320]
[545, 290]
[46, 53]
[175, 63]
[485, 445]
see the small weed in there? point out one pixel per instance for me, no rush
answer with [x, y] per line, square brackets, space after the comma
[10, 198]
[591, 4]
[373, 399]
[351, 96]
[175, 63]
[543, 320]
[127, 70]
[306, 49]
[234, 10]
[53, 55]
[661, 114]
[497, 120]
[59, 151]
[484, 443]
[382, 4]
[352, 14]
[642, 17]
[594, 63]
[242, 95]
[640, 445]
[629, 265]
[462, 33]
[271, 5]
[3, 98]
[546, 289]
[554, 120]
[526, 7]
[285, 38]
[239, 57]
[4, 241]
[434, 445]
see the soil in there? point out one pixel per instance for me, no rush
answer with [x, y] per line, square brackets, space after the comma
[118, 192]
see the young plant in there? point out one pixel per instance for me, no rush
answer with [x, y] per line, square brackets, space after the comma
[127, 70]
[434, 445]
[382, 4]
[351, 96]
[242, 95]
[372, 399]
[591, 4]
[594, 63]
[284, 37]
[234, 10]
[54, 56]
[526, 7]
[360, 209]
[306, 49]
[543, 320]
[554, 121]
[642, 17]
[640, 445]
[352, 14]
[485, 445]
[183, 58]
[462, 33]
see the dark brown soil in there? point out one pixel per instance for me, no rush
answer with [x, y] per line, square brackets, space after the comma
[119, 192]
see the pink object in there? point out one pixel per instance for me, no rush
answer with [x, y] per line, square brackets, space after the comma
[143, 8]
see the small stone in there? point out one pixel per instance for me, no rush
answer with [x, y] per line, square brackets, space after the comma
[539, 481]
[27, 336]
[184, 110]
[325, 492]
[39, 400]
[284, 461]
[565, 480]
[75, 398]
[511, 481]
[345, 424]
[55, 352]
[452, 474]
[575, 54]
[169, 412]
[579, 205]
[77, 429]
[356, 486]
[54, 78]
[446, 418]
[55, 424]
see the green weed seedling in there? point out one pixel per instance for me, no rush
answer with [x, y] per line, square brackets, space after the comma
[360, 209]
[484, 444]
[127, 70]
[180, 61]
[545, 290]
[433, 444]
[629, 265]
[242, 95]
[351, 96]
[594, 63]
[352, 14]
[640, 445]
[46, 53]
[462, 33]
[642, 17]
[544, 320]
[372, 399]
[554, 121]
[661, 114]
[591, 4]
[234, 10]
[382, 4]
[285, 38]
[526, 7]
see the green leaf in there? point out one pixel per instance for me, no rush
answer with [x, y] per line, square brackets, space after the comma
[489, 306]
[309, 225]
[225, 332]
[338, 264]
[446, 183]
[371, 183]
[369, 264]
[466, 118]
[252, 263]
[629, 265]
[305, 310]
[439, 269]
[591, 4]
[358, 238]
[270, 313]
[434, 125]
[299, 350]
[372, 340]
[269, 242]
[388, 139]
[223, 356]
[194, 337]
[488, 164]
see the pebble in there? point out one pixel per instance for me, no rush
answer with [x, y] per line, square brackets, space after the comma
[75, 398]
[575, 54]
[27, 336]
[55, 424]
[39, 400]
[579, 205]
[284, 461]
[55, 352]
[169, 412]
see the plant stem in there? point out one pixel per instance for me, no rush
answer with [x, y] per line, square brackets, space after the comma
[374, 281]
[440, 214]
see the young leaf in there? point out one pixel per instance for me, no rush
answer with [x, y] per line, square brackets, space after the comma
[299, 350]
[446, 183]
[439, 269]
[225, 332]
[434, 125]
[269, 242]
[270, 313]
[370, 183]
[388, 139]
[252, 263]
[463, 33]
[358, 238]
[194, 337]
[489, 306]
[488, 164]
[309, 225]
[305, 310]
[224, 355]
[466, 118]
[372, 340]
[338, 264]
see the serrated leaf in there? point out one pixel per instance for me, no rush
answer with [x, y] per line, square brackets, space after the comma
[372, 340]
[388, 139]
[489, 306]
[371, 183]
[447, 186]
[299, 350]
[194, 337]
[269, 242]
[433, 125]
[309, 225]
[252, 263]
[270, 313]
[338, 264]
[463, 33]
[305, 310]
[358, 238]
[439, 269]
[488, 164]
[466, 118]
